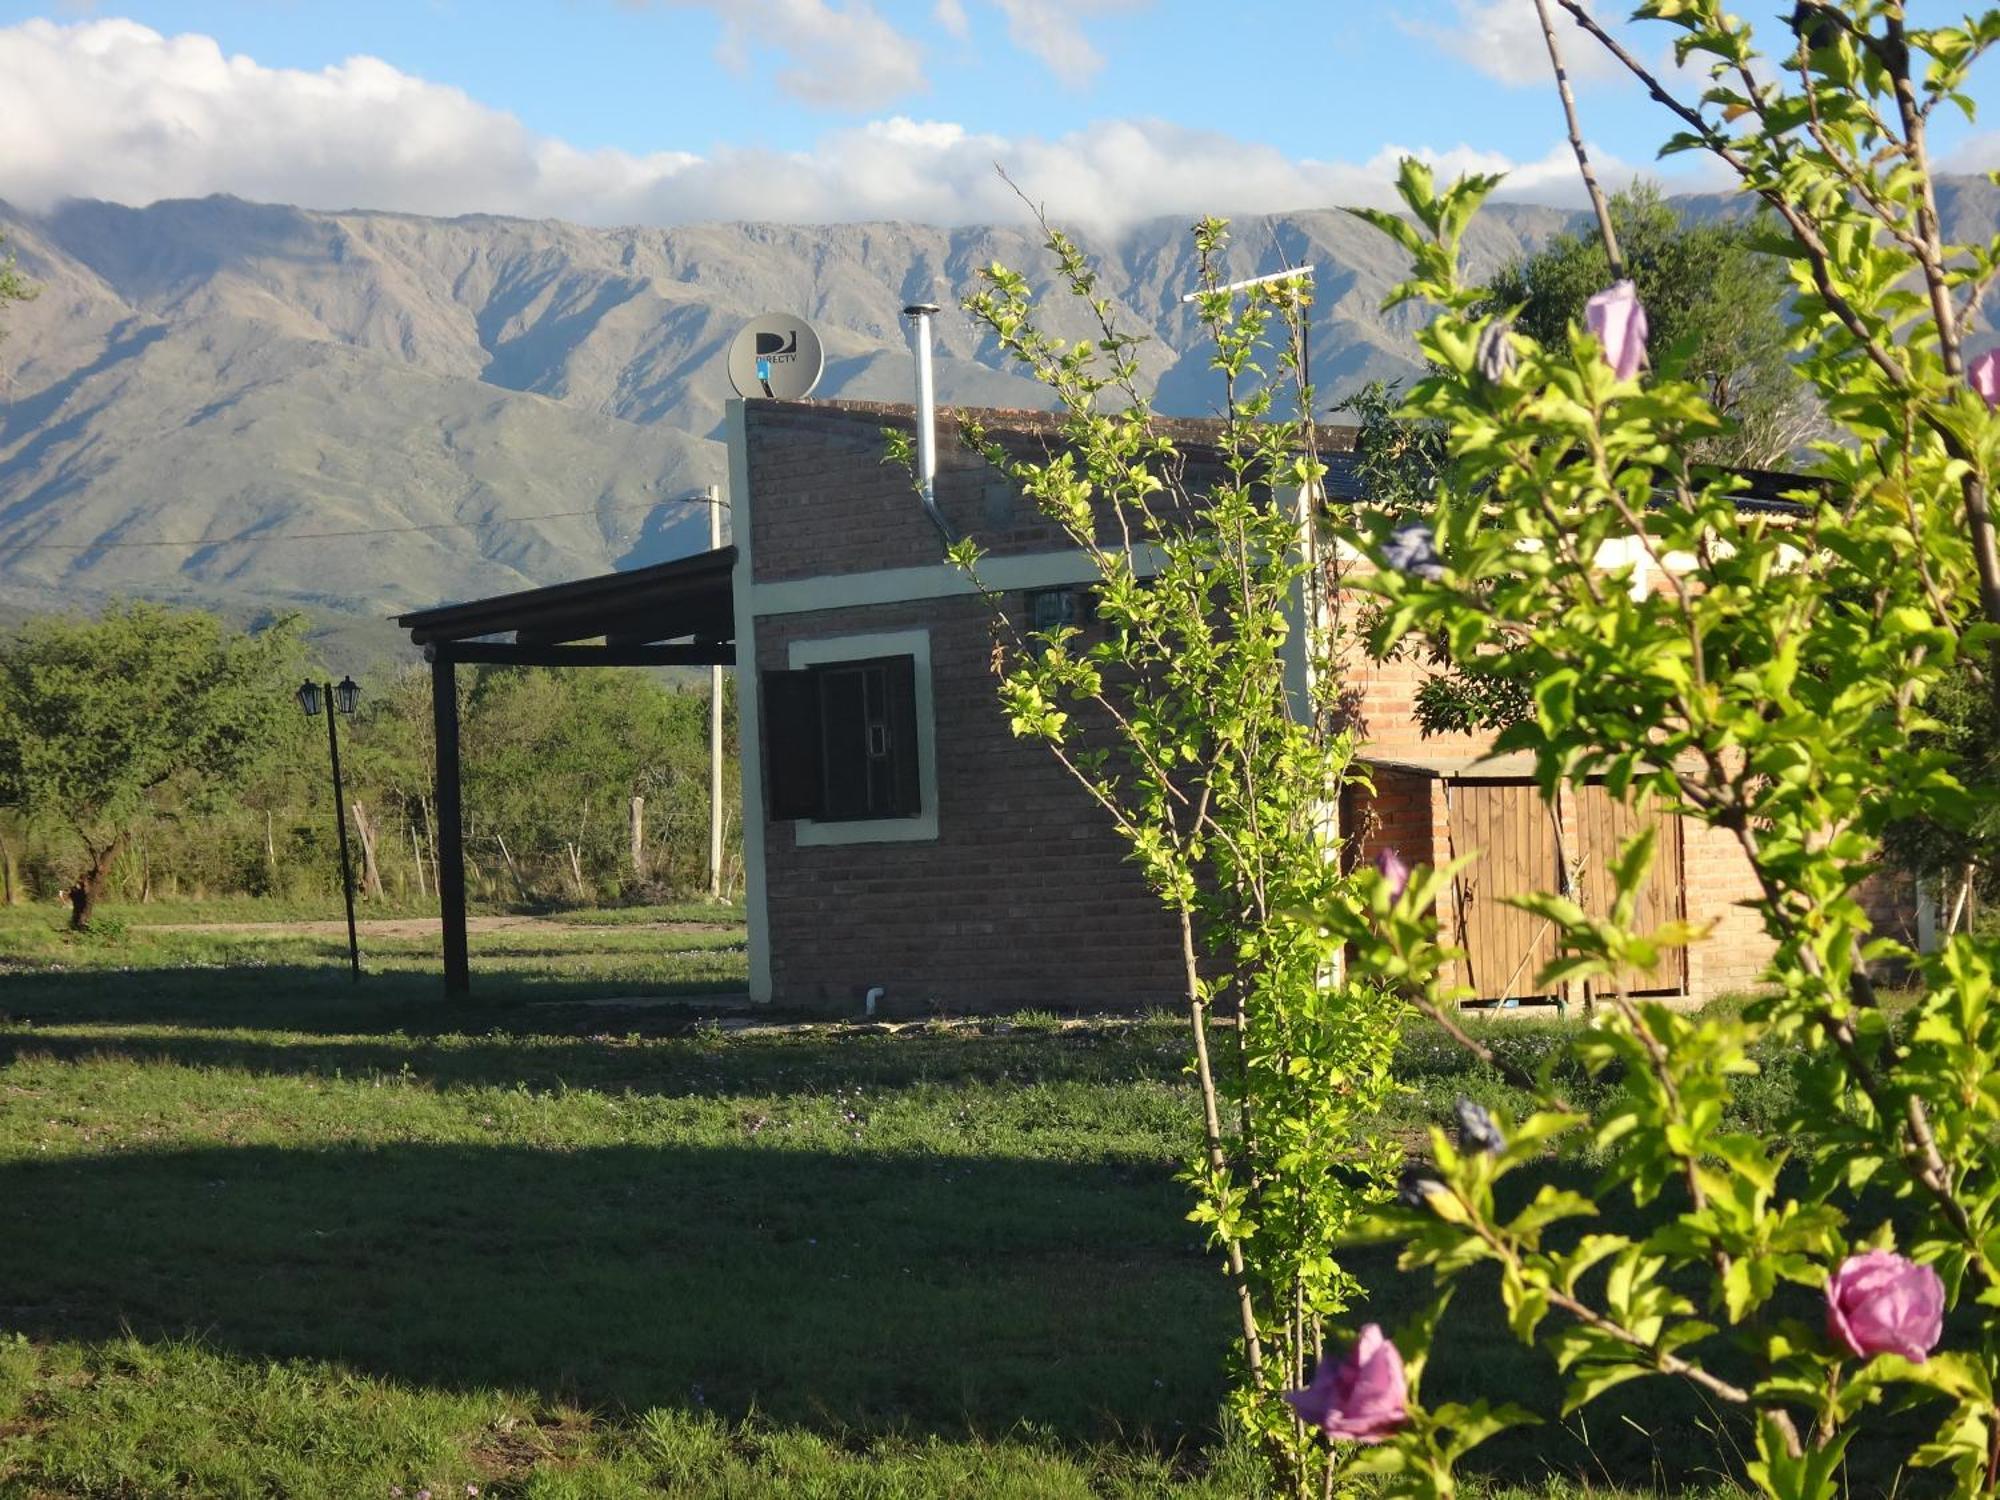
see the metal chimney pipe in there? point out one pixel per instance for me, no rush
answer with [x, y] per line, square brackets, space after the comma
[920, 315]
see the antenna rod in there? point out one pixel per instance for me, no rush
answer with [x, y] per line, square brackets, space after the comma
[1237, 286]
[920, 315]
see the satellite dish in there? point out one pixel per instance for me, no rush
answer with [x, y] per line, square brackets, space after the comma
[778, 356]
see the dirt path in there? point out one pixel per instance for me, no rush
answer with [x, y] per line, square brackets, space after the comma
[422, 927]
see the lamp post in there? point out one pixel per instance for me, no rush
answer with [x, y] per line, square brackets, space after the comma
[341, 698]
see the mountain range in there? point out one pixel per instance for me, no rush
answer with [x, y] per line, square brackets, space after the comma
[262, 407]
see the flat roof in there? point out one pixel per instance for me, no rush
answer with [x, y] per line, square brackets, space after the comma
[690, 596]
[1516, 765]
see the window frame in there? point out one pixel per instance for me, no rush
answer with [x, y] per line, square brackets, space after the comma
[820, 651]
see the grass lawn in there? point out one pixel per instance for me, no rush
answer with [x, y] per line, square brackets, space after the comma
[270, 1234]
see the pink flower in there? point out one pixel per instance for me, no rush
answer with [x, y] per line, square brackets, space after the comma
[1880, 1303]
[1619, 322]
[1985, 377]
[1359, 1398]
[1394, 872]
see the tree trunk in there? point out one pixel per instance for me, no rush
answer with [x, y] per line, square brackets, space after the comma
[89, 887]
[639, 837]
[520, 890]
[417, 854]
[10, 875]
[371, 873]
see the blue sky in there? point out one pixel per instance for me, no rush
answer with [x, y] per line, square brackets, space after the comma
[613, 110]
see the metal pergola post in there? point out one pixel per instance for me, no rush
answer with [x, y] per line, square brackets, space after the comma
[449, 854]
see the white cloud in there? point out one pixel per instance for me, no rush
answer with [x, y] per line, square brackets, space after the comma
[950, 14]
[113, 110]
[845, 57]
[1979, 152]
[1050, 30]
[1503, 39]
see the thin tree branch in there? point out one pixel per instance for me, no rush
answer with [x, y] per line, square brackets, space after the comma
[1597, 203]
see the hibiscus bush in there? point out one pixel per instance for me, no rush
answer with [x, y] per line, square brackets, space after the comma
[1763, 674]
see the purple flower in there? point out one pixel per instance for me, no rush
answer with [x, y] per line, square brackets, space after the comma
[1619, 322]
[1880, 1303]
[1358, 1398]
[1413, 550]
[1477, 1130]
[1395, 873]
[1985, 377]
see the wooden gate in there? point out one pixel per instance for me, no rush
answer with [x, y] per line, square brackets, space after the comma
[1515, 833]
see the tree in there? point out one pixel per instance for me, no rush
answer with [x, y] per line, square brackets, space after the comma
[1200, 707]
[1775, 685]
[1707, 288]
[1959, 860]
[1710, 294]
[14, 287]
[1399, 464]
[553, 759]
[141, 710]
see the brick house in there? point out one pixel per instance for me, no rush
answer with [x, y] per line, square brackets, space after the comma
[899, 841]
[899, 838]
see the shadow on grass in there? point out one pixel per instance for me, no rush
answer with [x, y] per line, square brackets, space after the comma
[915, 1294]
[316, 998]
[303, 1022]
[864, 1293]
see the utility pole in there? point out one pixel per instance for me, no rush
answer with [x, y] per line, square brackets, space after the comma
[714, 725]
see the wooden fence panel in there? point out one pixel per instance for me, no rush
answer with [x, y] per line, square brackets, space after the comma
[1606, 826]
[1508, 825]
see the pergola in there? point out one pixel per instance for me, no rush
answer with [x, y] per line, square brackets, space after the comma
[674, 614]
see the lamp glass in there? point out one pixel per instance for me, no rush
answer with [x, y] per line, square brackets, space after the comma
[347, 695]
[308, 696]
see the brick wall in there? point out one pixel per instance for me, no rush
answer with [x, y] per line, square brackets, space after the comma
[1024, 898]
[826, 503]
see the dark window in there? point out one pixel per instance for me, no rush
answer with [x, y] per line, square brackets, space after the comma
[840, 741]
[1050, 608]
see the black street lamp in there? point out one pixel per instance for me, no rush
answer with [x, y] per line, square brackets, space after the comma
[346, 697]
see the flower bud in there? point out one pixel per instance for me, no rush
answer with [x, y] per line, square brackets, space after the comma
[1416, 1185]
[1984, 375]
[1395, 873]
[1495, 352]
[1477, 1130]
[1619, 321]
[1412, 550]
